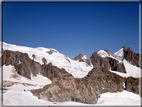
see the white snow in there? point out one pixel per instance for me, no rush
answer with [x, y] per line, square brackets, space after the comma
[77, 69]
[38, 81]
[119, 98]
[124, 85]
[131, 70]
[26, 98]
[22, 98]
[119, 53]
[15, 95]
[84, 57]
[103, 53]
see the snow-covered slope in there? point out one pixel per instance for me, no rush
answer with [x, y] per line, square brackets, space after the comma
[16, 87]
[18, 94]
[77, 69]
[15, 95]
[131, 70]
[20, 97]
[119, 98]
[116, 55]
[10, 75]
[119, 54]
[103, 53]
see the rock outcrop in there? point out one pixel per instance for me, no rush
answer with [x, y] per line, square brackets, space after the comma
[116, 66]
[132, 57]
[27, 67]
[83, 58]
[108, 52]
[52, 72]
[133, 85]
[87, 89]
[97, 60]
[107, 63]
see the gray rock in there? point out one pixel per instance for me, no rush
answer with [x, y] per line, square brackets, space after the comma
[87, 89]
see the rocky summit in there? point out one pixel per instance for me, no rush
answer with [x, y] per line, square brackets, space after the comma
[132, 57]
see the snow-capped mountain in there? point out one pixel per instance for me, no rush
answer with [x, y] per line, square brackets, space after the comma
[79, 66]
[18, 86]
[77, 69]
[83, 58]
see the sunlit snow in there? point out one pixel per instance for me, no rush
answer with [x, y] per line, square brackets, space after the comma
[103, 53]
[19, 94]
[77, 69]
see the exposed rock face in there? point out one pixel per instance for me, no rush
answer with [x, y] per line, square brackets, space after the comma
[97, 60]
[131, 57]
[116, 66]
[107, 63]
[82, 58]
[25, 66]
[109, 53]
[51, 51]
[132, 85]
[52, 72]
[87, 89]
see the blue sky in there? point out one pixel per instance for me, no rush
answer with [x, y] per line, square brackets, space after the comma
[72, 28]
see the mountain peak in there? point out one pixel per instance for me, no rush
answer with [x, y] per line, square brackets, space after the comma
[124, 48]
[80, 57]
[83, 58]
[109, 53]
[103, 53]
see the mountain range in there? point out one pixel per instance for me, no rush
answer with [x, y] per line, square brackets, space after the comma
[82, 79]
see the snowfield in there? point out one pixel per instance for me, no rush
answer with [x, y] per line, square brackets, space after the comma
[20, 97]
[131, 70]
[119, 98]
[16, 87]
[77, 69]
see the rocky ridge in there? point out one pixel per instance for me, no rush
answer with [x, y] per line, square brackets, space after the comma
[132, 57]
[65, 87]
[83, 58]
[109, 61]
[87, 89]
[27, 67]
